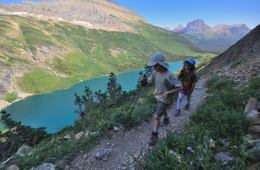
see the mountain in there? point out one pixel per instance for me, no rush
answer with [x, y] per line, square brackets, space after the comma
[240, 61]
[216, 39]
[98, 14]
[55, 44]
[196, 26]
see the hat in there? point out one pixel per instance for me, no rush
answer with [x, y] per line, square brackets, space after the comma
[191, 61]
[157, 58]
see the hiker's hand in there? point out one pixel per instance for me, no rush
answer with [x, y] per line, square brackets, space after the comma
[166, 93]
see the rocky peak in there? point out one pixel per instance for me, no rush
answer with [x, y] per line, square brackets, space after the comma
[196, 26]
[179, 28]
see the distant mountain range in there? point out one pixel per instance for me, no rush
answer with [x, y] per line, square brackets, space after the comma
[216, 39]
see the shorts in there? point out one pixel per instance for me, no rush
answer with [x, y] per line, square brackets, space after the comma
[161, 108]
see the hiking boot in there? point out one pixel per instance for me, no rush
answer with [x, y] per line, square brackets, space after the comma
[177, 113]
[187, 106]
[153, 139]
[166, 120]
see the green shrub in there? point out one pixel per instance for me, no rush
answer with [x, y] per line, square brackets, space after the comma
[253, 89]
[218, 83]
[10, 97]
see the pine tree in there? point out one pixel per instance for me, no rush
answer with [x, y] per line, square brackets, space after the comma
[114, 89]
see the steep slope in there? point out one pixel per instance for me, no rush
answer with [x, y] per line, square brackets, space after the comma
[240, 61]
[43, 55]
[216, 39]
[98, 14]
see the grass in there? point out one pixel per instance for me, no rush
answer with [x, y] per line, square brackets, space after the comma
[54, 148]
[39, 81]
[10, 97]
[84, 53]
[220, 118]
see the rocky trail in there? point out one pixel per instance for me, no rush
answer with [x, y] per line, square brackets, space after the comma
[124, 152]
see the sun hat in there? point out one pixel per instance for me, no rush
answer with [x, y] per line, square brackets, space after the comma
[157, 58]
[191, 61]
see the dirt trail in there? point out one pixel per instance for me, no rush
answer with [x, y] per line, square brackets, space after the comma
[134, 144]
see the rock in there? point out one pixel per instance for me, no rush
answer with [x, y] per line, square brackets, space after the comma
[131, 160]
[253, 117]
[248, 137]
[212, 143]
[224, 157]
[23, 150]
[190, 150]
[251, 105]
[13, 167]
[255, 129]
[103, 154]
[251, 143]
[254, 152]
[45, 166]
[67, 137]
[175, 155]
[79, 135]
[225, 142]
[67, 167]
[136, 155]
[116, 129]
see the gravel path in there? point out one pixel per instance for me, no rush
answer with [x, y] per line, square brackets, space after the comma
[134, 144]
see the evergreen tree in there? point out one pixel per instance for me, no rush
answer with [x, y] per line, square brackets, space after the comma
[114, 89]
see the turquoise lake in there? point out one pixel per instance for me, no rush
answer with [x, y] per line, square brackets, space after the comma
[56, 110]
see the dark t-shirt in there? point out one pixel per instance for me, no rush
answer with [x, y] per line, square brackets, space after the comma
[187, 80]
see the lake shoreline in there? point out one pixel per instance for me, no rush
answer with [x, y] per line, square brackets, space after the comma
[4, 104]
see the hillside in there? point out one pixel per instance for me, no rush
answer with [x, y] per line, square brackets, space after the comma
[240, 61]
[41, 54]
[98, 14]
[216, 39]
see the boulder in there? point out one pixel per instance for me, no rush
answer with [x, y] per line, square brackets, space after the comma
[79, 135]
[103, 154]
[251, 143]
[224, 157]
[13, 167]
[45, 166]
[255, 129]
[251, 105]
[254, 152]
[23, 150]
[253, 117]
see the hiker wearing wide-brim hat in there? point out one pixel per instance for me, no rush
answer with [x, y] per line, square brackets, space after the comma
[162, 79]
[188, 79]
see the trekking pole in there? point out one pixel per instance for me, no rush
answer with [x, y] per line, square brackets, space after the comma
[134, 103]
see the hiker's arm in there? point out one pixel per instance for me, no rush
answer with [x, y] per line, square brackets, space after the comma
[168, 92]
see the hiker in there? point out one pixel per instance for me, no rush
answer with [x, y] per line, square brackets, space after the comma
[161, 79]
[188, 79]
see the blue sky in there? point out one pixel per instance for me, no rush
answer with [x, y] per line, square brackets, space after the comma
[170, 13]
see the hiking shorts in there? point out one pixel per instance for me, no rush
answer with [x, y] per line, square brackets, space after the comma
[161, 108]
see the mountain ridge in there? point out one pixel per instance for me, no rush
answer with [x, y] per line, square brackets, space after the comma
[212, 38]
[98, 14]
